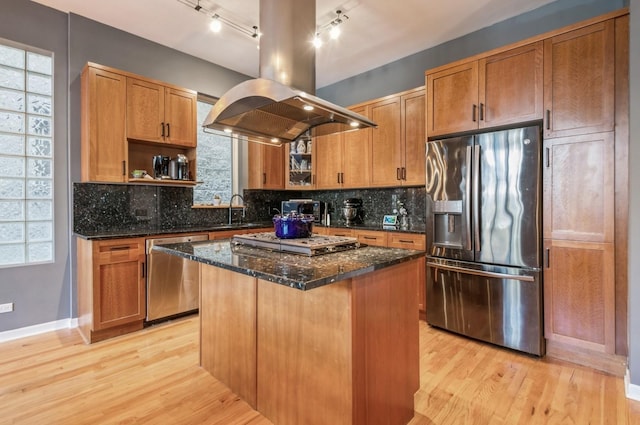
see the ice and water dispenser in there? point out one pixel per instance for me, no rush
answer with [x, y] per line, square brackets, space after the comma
[448, 226]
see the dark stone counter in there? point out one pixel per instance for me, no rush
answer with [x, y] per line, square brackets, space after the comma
[297, 271]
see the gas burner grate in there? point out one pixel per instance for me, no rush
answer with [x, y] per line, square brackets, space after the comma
[314, 245]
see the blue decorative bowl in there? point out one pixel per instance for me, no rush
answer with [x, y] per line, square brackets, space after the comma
[293, 226]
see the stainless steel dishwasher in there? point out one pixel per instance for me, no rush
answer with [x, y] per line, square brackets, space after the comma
[173, 283]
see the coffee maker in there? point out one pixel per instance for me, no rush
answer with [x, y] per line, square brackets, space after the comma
[352, 210]
[161, 167]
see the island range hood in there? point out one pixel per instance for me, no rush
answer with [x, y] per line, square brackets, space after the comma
[281, 105]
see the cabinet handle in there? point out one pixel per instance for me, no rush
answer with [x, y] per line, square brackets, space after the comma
[264, 178]
[338, 178]
[548, 156]
[404, 173]
[473, 112]
[342, 178]
[124, 168]
[162, 124]
[548, 257]
[481, 111]
[144, 268]
[548, 119]
[398, 174]
[168, 130]
[405, 241]
[119, 248]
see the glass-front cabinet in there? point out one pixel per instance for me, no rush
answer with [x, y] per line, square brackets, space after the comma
[300, 171]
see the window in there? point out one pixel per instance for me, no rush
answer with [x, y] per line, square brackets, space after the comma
[26, 155]
[215, 160]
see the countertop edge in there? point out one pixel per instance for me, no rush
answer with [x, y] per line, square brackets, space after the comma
[293, 283]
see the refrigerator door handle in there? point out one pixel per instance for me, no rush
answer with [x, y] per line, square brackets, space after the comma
[467, 204]
[481, 272]
[476, 197]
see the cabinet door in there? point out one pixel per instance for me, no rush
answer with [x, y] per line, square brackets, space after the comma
[578, 192]
[413, 134]
[579, 81]
[273, 167]
[103, 126]
[328, 161]
[386, 151]
[356, 154]
[299, 166]
[119, 290]
[452, 100]
[266, 166]
[180, 116]
[145, 110]
[579, 295]
[407, 241]
[510, 86]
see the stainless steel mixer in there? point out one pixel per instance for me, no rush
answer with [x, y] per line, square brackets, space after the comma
[351, 210]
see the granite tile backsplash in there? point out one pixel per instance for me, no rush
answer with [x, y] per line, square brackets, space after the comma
[112, 207]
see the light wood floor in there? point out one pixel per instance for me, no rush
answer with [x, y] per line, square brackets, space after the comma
[152, 377]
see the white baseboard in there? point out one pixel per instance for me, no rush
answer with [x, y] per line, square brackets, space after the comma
[38, 329]
[632, 390]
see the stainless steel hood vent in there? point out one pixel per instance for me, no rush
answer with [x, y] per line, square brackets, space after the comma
[268, 107]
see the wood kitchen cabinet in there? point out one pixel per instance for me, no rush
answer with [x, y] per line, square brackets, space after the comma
[500, 89]
[104, 149]
[343, 160]
[266, 166]
[111, 287]
[161, 114]
[579, 81]
[299, 165]
[108, 153]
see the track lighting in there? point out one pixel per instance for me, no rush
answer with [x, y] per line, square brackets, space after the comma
[218, 20]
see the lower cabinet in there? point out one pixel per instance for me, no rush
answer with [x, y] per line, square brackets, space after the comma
[111, 287]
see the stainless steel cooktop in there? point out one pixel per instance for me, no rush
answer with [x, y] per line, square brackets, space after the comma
[313, 245]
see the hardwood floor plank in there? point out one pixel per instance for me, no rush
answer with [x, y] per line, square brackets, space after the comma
[153, 377]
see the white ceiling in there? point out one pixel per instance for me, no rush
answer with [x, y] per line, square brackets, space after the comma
[376, 33]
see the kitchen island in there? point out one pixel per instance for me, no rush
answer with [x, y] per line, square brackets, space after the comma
[331, 339]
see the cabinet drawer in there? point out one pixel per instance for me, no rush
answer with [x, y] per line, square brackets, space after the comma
[406, 241]
[112, 251]
[347, 233]
[372, 238]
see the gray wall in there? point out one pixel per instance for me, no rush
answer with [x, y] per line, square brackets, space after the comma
[634, 198]
[41, 293]
[408, 72]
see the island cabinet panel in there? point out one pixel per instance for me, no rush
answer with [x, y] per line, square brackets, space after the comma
[305, 354]
[343, 353]
[386, 345]
[228, 331]
[579, 79]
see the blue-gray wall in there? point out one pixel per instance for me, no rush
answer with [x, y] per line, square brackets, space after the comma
[45, 293]
[634, 197]
[41, 293]
[408, 73]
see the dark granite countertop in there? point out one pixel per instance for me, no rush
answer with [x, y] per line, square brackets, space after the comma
[133, 232]
[297, 271]
[378, 227]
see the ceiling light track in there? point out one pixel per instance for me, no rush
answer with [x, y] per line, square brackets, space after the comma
[250, 31]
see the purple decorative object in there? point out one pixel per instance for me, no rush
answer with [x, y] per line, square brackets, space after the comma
[292, 226]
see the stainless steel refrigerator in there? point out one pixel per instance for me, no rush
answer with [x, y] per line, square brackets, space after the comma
[484, 237]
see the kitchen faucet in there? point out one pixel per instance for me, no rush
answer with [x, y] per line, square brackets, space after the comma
[231, 203]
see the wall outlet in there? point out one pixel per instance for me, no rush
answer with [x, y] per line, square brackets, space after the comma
[6, 308]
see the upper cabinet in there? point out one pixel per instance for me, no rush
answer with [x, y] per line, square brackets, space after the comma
[343, 160]
[398, 143]
[502, 89]
[299, 165]
[266, 166]
[126, 120]
[104, 151]
[161, 114]
[579, 81]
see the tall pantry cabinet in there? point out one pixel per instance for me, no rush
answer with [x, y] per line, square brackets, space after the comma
[574, 82]
[582, 68]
